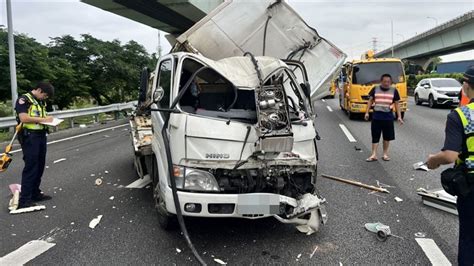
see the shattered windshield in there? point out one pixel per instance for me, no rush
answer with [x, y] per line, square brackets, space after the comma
[211, 94]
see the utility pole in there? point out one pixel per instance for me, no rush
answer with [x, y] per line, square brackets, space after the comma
[393, 55]
[374, 44]
[11, 53]
[159, 43]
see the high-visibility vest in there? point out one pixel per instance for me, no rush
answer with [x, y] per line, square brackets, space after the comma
[383, 99]
[37, 109]
[466, 113]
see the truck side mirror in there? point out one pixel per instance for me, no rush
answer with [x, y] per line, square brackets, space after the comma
[158, 94]
[143, 84]
[306, 87]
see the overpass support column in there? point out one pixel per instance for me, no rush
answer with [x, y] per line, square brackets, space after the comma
[423, 62]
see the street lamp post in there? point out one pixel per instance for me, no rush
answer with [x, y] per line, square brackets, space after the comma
[11, 53]
[435, 19]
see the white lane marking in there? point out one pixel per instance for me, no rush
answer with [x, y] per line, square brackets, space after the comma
[347, 133]
[323, 100]
[79, 136]
[432, 251]
[140, 183]
[329, 108]
[26, 252]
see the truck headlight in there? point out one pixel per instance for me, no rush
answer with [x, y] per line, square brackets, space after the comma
[200, 180]
[194, 179]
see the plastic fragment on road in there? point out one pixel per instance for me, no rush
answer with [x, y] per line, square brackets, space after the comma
[94, 222]
[82, 126]
[221, 262]
[59, 160]
[397, 199]
[420, 234]
[420, 166]
[314, 251]
[15, 189]
[106, 172]
[98, 181]
[178, 250]
[381, 230]
[439, 199]
[111, 198]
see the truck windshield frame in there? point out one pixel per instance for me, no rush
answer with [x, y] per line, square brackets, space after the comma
[370, 72]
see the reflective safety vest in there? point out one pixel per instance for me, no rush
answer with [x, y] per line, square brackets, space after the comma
[383, 99]
[36, 109]
[466, 113]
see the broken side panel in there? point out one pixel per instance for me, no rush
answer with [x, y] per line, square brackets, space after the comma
[274, 125]
[270, 28]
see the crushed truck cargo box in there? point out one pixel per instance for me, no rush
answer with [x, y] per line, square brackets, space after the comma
[269, 28]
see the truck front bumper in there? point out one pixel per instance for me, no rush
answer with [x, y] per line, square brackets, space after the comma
[253, 206]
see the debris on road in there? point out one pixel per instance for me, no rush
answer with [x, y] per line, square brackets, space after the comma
[106, 172]
[178, 250]
[111, 198]
[397, 199]
[92, 175]
[356, 183]
[98, 181]
[314, 251]
[59, 160]
[82, 126]
[420, 234]
[439, 199]
[420, 166]
[94, 222]
[357, 148]
[381, 230]
[220, 261]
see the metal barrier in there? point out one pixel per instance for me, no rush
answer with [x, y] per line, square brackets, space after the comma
[6, 122]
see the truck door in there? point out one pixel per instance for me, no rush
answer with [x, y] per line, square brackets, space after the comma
[162, 90]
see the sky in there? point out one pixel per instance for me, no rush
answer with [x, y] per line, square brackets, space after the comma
[349, 24]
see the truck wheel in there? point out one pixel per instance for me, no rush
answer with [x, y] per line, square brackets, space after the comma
[351, 115]
[431, 101]
[166, 220]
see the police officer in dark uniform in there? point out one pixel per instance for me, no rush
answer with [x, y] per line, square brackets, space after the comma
[459, 181]
[31, 112]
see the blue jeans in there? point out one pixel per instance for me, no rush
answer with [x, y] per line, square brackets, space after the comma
[465, 207]
[34, 156]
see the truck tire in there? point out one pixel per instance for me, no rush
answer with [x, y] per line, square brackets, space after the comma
[351, 115]
[166, 220]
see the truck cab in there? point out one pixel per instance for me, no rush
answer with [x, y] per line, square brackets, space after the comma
[362, 75]
[231, 126]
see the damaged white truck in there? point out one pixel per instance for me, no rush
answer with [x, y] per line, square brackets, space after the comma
[225, 123]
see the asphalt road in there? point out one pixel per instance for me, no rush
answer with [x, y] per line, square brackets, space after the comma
[129, 233]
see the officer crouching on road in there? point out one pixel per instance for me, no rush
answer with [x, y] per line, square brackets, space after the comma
[31, 112]
[459, 181]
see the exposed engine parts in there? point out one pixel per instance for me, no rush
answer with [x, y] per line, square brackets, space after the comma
[274, 125]
[286, 181]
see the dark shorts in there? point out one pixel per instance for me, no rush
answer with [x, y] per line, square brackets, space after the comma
[382, 126]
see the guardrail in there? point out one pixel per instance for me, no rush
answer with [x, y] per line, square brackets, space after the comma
[6, 122]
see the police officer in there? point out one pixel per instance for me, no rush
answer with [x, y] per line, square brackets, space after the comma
[459, 181]
[31, 112]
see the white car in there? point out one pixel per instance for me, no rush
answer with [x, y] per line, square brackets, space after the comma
[437, 91]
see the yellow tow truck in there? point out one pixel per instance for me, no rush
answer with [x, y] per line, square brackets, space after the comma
[360, 76]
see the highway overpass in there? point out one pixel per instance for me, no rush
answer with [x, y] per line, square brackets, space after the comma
[456, 35]
[172, 16]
